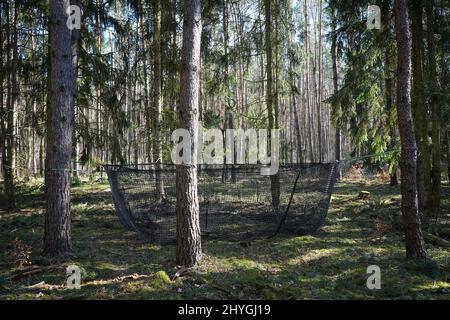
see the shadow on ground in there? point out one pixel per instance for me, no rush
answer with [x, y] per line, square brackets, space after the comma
[117, 264]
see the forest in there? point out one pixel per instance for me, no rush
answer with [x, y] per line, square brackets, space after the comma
[224, 149]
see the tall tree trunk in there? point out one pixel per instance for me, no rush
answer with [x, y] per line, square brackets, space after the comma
[157, 99]
[319, 85]
[147, 109]
[389, 85]
[415, 247]
[189, 249]
[294, 93]
[448, 156]
[76, 38]
[11, 99]
[59, 132]
[2, 110]
[418, 106]
[271, 107]
[334, 58]
[229, 121]
[307, 83]
[435, 194]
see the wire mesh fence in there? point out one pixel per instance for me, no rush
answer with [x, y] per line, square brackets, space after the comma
[236, 202]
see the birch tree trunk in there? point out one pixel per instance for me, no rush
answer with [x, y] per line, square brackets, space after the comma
[189, 250]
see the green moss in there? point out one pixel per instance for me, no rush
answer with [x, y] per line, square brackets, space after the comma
[329, 265]
[161, 275]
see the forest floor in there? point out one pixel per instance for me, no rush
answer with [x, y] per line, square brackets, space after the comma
[117, 264]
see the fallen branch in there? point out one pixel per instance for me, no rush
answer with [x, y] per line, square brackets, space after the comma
[31, 271]
[41, 286]
[444, 231]
[223, 290]
[436, 240]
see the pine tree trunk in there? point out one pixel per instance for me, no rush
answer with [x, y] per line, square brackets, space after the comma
[435, 195]
[319, 86]
[273, 118]
[2, 111]
[229, 122]
[307, 83]
[448, 156]
[334, 58]
[146, 102]
[59, 132]
[11, 99]
[294, 93]
[189, 250]
[12, 113]
[76, 37]
[389, 85]
[157, 99]
[412, 226]
[418, 106]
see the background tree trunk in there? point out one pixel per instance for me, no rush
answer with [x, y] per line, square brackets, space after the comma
[413, 232]
[157, 98]
[418, 106]
[189, 249]
[435, 194]
[448, 155]
[334, 61]
[2, 110]
[309, 110]
[319, 85]
[389, 85]
[59, 135]
[273, 118]
[229, 121]
[76, 38]
[11, 99]
[294, 112]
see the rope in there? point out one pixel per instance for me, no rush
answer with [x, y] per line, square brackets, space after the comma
[373, 155]
[330, 184]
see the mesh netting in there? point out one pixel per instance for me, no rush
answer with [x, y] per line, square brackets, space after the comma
[236, 202]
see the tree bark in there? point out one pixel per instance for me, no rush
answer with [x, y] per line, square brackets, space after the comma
[435, 194]
[76, 38]
[319, 86]
[412, 226]
[11, 99]
[307, 84]
[189, 250]
[448, 156]
[389, 85]
[157, 100]
[60, 116]
[294, 93]
[229, 121]
[334, 58]
[2, 110]
[418, 106]
[272, 114]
